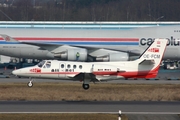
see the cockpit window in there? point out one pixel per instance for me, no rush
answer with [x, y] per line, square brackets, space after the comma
[48, 64]
[41, 64]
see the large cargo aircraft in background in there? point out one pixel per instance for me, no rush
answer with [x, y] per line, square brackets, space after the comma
[146, 66]
[86, 44]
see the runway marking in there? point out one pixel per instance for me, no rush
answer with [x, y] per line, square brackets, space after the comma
[157, 113]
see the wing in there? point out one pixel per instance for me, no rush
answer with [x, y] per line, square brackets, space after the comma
[82, 76]
[38, 44]
[51, 46]
[133, 52]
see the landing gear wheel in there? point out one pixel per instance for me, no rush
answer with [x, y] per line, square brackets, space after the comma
[85, 86]
[30, 84]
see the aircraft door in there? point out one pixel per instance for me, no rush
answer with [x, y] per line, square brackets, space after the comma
[62, 70]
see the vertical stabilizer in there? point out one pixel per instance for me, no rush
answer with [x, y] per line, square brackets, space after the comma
[149, 62]
[8, 38]
[154, 53]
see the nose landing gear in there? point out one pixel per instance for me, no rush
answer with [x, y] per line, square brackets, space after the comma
[30, 84]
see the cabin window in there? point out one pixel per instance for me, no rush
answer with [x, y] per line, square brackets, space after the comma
[52, 70]
[68, 66]
[62, 65]
[80, 66]
[74, 66]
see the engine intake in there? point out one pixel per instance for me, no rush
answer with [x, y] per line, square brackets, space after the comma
[73, 54]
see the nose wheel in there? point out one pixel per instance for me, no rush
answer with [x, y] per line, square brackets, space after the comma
[85, 86]
[30, 84]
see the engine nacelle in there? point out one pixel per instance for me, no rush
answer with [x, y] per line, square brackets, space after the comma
[120, 56]
[73, 54]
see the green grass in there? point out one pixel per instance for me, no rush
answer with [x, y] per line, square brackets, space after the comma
[60, 117]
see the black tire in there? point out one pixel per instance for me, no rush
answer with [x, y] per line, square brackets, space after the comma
[30, 84]
[85, 86]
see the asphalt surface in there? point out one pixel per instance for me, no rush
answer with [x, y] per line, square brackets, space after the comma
[127, 107]
[153, 117]
[26, 80]
[135, 110]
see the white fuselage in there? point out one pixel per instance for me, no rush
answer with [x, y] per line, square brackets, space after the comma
[103, 70]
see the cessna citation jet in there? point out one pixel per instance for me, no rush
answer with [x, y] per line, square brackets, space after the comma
[146, 66]
[100, 45]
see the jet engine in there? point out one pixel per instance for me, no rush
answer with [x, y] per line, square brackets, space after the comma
[72, 54]
[120, 56]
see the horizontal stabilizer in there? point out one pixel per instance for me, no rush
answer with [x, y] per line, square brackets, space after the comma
[147, 62]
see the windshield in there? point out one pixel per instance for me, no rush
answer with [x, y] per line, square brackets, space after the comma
[41, 63]
[48, 64]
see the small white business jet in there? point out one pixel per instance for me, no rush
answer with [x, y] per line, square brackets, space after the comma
[146, 66]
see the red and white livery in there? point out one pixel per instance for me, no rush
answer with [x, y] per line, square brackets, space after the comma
[146, 66]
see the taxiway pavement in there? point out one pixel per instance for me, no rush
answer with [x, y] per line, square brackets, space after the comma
[127, 107]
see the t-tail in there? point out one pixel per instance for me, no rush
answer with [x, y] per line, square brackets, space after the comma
[151, 59]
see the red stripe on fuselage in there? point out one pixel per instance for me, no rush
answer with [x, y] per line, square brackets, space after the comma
[77, 39]
[54, 73]
[132, 74]
[140, 74]
[105, 72]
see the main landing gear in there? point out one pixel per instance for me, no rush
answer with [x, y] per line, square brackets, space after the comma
[85, 86]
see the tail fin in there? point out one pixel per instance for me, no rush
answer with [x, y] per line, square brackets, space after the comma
[149, 61]
[154, 53]
[8, 38]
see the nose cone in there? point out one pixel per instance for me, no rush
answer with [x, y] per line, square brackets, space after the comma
[16, 72]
